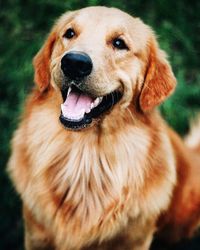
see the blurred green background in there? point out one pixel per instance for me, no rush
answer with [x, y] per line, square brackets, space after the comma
[24, 25]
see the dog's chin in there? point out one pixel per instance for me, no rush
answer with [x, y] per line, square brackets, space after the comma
[80, 110]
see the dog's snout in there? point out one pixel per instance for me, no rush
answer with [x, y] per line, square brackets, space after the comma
[76, 65]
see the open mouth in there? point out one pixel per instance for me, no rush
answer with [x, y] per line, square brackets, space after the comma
[79, 109]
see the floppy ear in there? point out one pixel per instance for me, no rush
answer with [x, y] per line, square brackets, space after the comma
[41, 63]
[159, 81]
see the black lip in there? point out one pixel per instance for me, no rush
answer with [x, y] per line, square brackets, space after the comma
[106, 104]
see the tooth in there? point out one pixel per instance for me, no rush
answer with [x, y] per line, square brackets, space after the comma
[92, 105]
[62, 108]
[97, 101]
[69, 90]
[88, 110]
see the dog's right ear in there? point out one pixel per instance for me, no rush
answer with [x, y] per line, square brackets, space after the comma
[41, 63]
[160, 81]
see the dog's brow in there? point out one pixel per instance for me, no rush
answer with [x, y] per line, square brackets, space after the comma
[75, 25]
[117, 33]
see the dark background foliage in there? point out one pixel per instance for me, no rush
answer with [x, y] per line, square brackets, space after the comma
[24, 25]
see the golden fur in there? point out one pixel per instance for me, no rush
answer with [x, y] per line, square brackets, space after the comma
[116, 183]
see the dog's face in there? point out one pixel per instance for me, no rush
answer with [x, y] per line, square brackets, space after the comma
[98, 57]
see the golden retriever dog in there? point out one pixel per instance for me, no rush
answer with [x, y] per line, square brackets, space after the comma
[93, 161]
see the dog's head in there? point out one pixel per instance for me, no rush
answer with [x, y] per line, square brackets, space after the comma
[99, 58]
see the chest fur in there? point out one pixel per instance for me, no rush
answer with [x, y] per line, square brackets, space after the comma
[86, 185]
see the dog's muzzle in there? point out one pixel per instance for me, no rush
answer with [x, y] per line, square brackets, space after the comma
[80, 108]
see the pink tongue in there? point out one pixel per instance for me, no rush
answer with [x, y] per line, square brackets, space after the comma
[76, 105]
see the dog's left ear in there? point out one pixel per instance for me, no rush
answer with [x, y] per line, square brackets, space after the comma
[41, 63]
[159, 82]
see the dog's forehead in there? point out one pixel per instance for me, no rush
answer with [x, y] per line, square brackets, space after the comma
[100, 16]
[107, 21]
[103, 14]
[111, 18]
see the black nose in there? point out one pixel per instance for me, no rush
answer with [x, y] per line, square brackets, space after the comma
[76, 65]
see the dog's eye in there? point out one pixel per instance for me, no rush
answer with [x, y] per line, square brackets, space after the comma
[119, 44]
[70, 33]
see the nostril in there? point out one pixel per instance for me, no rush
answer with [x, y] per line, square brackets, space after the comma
[84, 67]
[76, 65]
